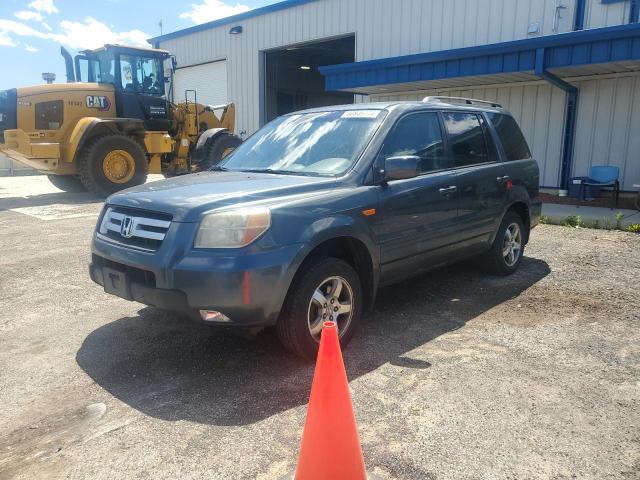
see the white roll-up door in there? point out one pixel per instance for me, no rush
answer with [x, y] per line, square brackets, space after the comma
[209, 80]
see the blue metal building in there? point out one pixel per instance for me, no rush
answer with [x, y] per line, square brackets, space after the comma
[569, 70]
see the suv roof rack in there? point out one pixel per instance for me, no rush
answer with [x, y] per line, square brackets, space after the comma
[460, 101]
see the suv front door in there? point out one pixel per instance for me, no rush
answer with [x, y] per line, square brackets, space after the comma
[418, 215]
[480, 176]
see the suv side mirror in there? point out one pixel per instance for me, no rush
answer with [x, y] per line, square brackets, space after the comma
[401, 167]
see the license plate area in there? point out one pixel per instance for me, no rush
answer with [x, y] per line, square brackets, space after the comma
[116, 283]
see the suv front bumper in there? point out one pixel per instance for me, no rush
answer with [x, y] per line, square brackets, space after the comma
[248, 286]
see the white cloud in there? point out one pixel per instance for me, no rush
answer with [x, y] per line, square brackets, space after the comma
[92, 33]
[45, 6]
[210, 10]
[28, 15]
[20, 29]
[30, 48]
[5, 40]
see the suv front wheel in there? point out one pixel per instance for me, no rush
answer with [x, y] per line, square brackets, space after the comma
[327, 289]
[507, 249]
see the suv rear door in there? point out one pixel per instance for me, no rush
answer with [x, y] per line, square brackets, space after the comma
[480, 176]
[418, 215]
[518, 163]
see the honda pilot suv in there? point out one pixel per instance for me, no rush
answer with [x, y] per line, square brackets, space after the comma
[306, 219]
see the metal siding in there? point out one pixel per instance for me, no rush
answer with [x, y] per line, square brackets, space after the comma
[537, 106]
[209, 80]
[600, 14]
[380, 27]
[617, 46]
[608, 126]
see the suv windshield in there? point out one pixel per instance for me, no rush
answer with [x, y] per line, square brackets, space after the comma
[319, 143]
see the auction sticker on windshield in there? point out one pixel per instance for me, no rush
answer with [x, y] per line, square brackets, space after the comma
[361, 114]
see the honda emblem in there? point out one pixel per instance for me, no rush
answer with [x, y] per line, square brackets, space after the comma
[126, 227]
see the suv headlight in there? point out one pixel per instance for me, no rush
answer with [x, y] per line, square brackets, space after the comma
[232, 229]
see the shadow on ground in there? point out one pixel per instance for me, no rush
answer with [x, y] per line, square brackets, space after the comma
[171, 369]
[48, 199]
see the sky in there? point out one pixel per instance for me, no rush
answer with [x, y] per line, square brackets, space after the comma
[31, 31]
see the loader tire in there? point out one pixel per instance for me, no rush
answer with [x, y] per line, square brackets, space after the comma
[67, 183]
[219, 148]
[113, 162]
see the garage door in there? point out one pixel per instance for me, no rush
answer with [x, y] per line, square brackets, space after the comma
[209, 80]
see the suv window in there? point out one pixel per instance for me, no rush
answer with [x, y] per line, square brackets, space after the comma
[513, 141]
[418, 134]
[466, 137]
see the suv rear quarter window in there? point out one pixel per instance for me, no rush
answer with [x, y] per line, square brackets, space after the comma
[513, 142]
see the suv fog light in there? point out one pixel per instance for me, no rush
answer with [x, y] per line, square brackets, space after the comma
[213, 316]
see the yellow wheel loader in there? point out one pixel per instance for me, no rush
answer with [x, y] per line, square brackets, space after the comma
[111, 124]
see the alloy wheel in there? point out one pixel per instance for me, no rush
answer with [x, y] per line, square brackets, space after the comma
[512, 244]
[332, 301]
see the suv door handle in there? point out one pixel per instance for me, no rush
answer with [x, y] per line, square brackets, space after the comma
[503, 179]
[448, 190]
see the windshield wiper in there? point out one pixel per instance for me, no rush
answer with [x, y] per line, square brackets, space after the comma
[276, 172]
[218, 168]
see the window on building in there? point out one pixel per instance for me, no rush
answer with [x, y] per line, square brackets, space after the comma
[466, 136]
[418, 134]
[513, 141]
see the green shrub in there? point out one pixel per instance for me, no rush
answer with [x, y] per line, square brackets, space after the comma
[544, 219]
[619, 217]
[574, 221]
[634, 227]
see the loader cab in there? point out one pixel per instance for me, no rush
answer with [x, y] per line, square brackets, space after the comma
[137, 75]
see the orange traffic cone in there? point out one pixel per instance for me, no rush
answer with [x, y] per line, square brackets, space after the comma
[330, 443]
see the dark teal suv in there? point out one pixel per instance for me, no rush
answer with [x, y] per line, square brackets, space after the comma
[318, 209]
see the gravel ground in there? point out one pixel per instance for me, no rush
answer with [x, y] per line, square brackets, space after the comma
[455, 375]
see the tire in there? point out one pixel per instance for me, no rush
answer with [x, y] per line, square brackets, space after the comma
[67, 183]
[118, 150]
[495, 261]
[294, 326]
[217, 148]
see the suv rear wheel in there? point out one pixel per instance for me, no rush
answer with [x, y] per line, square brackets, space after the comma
[327, 289]
[507, 249]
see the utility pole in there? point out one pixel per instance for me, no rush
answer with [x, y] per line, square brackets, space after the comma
[160, 25]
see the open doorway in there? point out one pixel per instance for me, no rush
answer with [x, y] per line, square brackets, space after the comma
[292, 79]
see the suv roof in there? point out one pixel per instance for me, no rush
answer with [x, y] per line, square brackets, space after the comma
[436, 103]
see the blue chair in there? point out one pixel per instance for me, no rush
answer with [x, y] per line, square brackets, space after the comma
[603, 176]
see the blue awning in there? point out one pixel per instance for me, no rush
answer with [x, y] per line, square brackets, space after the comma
[586, 52]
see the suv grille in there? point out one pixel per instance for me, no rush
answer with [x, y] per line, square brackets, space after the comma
[136, 228]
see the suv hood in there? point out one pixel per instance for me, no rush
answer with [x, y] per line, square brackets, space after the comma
[187, 197]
